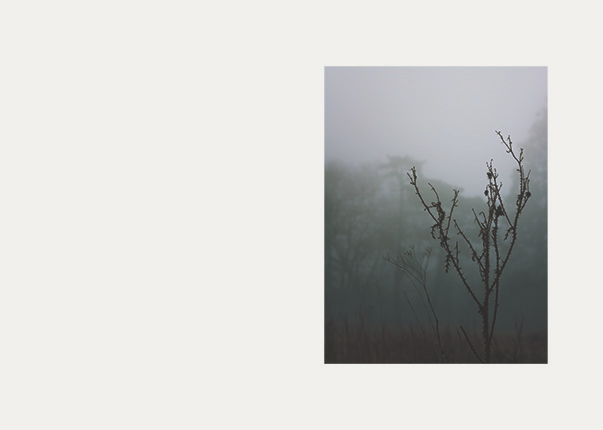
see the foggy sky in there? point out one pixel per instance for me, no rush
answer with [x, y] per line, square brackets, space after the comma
[445, 116]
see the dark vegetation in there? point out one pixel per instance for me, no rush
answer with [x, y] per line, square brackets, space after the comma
[375, 313]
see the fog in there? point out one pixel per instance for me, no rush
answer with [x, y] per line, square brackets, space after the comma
[444, 116]
[379, 123]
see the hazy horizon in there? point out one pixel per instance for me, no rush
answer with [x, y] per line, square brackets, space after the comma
[445, 117]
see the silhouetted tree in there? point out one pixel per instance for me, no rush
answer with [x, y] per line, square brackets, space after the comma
[489, 254]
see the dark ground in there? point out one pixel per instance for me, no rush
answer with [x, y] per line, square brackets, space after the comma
[347, 342]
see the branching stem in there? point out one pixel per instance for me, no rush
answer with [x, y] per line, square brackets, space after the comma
[491, 260]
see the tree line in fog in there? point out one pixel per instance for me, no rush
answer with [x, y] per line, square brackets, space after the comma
[372, 211]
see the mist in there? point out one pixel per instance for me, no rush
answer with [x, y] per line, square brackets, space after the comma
[392, 279]
[443, 116]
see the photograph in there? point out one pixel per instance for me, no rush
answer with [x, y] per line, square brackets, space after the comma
[435, 215]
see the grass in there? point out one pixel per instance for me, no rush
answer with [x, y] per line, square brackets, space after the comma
[355, 342]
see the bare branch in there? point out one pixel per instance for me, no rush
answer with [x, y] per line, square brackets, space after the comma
[490, 265]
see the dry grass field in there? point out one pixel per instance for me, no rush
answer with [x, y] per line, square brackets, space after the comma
[347, 342]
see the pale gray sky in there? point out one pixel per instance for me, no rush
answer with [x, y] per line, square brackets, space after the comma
[445, 116]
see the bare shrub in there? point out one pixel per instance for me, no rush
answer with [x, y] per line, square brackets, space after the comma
[491, 251]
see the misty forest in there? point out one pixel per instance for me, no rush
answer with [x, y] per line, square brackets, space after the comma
[418, 272]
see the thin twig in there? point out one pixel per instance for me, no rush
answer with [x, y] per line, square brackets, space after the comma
[471, 345]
